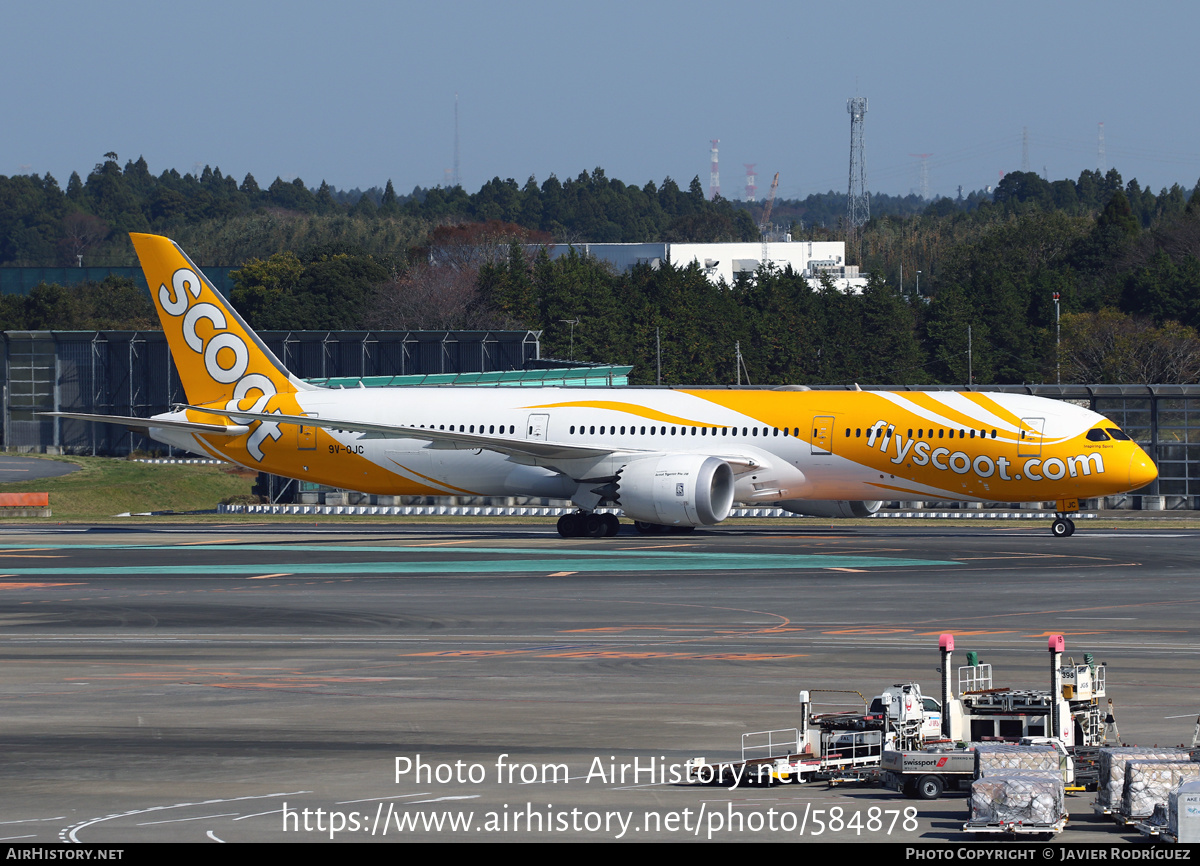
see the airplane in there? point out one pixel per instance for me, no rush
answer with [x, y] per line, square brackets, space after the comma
[671, 459]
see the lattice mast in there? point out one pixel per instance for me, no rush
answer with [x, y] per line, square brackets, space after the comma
[764, 227]
[923, 175]
[751, 179]
[456, 180]
[858, 205]
[714, 175]
[1101, 162]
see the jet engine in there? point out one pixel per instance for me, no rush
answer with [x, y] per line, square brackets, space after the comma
[830, 507]
[676, 490]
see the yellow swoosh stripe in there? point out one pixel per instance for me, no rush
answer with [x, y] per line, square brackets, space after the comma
[955, 417]
[629, 408]
[433, 481]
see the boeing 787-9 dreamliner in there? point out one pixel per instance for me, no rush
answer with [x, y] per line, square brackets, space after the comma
[669, 458]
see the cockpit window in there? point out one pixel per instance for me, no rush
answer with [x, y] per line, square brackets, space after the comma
[1116, 434]
[1097, 435]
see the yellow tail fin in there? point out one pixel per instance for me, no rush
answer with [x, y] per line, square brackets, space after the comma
[219, 358]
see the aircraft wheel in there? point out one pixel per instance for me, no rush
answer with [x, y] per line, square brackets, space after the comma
[1071, 523]
[569, 526]
[593, 525]
[611, 525]
[1061, 528]
[647, 528]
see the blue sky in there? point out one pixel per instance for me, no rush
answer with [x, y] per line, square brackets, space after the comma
[356, 92]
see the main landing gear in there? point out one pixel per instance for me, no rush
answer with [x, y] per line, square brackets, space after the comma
[588, 524]
[1062, 527]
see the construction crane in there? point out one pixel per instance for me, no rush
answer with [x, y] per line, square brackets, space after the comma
[764, 227]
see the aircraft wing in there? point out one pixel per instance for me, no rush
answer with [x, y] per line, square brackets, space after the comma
[161, 423]
[540, 449]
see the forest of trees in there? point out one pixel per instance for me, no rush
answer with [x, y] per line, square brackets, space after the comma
[1123, 261]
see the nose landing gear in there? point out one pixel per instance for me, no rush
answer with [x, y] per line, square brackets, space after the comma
[1062, 527]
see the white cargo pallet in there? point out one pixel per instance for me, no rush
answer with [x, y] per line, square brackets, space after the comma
[1017, 828]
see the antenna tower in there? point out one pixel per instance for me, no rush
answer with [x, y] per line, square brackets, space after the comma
[923, 186]
[764, 228]
[714, 176]
[1025, 148]
[858, 205]
[751, 177]
[1101, 162]
[457, 179]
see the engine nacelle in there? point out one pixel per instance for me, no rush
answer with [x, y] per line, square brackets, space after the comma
[677, 490]
[830, 507]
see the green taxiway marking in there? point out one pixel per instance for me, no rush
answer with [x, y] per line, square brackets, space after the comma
[553, 562]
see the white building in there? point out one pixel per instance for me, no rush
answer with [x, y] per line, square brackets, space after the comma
[724, 262]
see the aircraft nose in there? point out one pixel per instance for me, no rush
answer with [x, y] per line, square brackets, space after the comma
[1142, 470]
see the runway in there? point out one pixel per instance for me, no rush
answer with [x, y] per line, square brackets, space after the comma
[176, 683]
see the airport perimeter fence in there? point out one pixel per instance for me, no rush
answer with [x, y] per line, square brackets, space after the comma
[131, 373]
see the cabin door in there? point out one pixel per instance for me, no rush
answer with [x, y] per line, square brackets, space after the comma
[822, 434]
[1029, 443]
